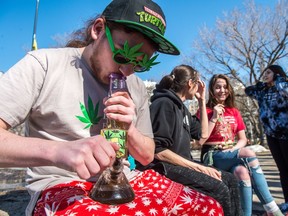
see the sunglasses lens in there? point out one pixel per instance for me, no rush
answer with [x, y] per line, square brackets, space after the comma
[121, 59]
[138, 68]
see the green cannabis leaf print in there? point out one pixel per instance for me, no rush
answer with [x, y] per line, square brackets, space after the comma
[90, 116]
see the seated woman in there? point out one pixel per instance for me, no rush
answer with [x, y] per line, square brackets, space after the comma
[225, 146]
[174, 128]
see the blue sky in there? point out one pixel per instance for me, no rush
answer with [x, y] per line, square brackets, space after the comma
[57, 18]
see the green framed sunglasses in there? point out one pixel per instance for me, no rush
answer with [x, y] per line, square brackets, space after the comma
[128, 55]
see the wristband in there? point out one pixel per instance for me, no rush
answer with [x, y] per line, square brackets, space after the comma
[213, 121]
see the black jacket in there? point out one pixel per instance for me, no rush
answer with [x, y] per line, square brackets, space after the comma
[173, 125]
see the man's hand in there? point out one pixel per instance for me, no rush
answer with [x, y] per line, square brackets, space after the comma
[120, 107]
[86, 156]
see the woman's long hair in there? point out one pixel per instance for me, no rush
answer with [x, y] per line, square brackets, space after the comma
[277, 70]
[178, 78]
[212, 101]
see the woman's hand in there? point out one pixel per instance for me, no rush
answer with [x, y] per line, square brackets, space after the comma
[218, 110]
[208, 171]
[200, 94]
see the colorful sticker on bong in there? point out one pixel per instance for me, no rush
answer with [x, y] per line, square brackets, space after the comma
[118, 136]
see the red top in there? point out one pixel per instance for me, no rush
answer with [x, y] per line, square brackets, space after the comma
[226, 128]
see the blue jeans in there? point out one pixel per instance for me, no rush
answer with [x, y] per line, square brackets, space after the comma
[228, 161]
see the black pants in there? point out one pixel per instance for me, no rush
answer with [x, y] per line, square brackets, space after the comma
[225, 192]
[279, 151]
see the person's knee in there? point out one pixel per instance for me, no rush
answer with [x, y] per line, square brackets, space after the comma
[246, 152]
[242, 173]
[253, 162]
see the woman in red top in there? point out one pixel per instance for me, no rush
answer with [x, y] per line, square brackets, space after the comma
[225, 150]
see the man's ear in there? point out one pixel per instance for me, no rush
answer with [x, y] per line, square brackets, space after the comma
[98, 27]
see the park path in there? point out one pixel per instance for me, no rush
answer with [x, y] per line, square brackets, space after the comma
[272, 176]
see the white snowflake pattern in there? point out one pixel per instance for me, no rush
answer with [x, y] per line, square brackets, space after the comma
[140, 184]
[147, 178]
[176, 208]
[159, 191]
[188, 190]
[75, 198]
[218, 204]
[76, 206]
[154, 178]
[163, 186]
[47, 195]
[72, 214]
[166, 181]
[197, 207]
[149, 190]
[146, 202]
[165, 210]
[139, 213]
[51, 211]
[153, 211]
[211, 201]
[113, 209]
[81, 184]
[159, 201]
[156, 185]
[93, 207]
[202, 200]
[187, 199]
[204, 210]
[68, 182]
[212, 212]
[132, 205]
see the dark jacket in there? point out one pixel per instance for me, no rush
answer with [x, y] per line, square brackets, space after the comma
[273, 106]
[173, 125]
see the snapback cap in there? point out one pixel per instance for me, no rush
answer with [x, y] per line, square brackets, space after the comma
[146, 17]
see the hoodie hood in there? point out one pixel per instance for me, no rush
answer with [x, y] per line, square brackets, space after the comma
[159, 93]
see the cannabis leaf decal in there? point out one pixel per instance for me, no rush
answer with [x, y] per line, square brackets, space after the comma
[90, 116]
[148, 63]
[131, 53]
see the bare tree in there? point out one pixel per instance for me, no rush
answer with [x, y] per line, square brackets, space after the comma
[241, 45]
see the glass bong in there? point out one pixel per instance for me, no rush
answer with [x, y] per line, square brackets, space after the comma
[113, 187]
